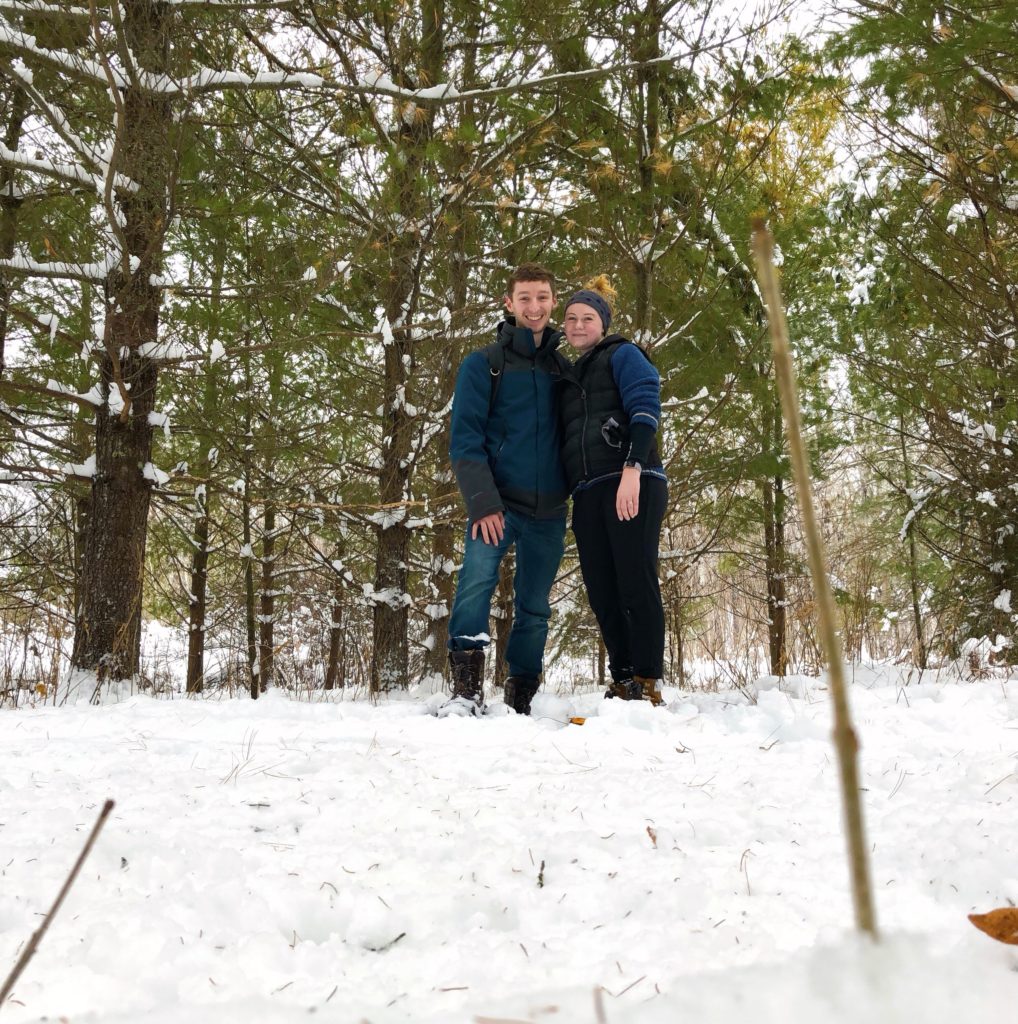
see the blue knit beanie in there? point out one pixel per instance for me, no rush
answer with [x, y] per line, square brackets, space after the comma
[595, 301]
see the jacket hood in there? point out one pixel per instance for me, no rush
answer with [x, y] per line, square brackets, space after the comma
[521, 339]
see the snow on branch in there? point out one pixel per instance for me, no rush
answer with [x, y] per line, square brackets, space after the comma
[79, 67]
[232, 5]
[60, 125]
[443, 94]
[91, 399]
[38, 7]
[25, 267]
[63, 170]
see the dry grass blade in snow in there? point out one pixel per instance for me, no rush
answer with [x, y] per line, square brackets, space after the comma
[33, 942]
[845, 740]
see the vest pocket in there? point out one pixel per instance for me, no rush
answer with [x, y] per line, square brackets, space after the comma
[612, 432]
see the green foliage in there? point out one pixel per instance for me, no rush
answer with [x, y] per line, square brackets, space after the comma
[929, 331]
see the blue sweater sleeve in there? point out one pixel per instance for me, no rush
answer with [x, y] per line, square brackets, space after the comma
[639, 385]
[466, 438]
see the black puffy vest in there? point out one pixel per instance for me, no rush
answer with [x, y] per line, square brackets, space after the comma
[595, 427]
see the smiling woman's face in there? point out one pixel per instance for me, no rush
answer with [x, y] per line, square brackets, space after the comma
[531, 302]
[583, 326]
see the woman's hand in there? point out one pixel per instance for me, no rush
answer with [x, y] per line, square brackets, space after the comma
[627, 497]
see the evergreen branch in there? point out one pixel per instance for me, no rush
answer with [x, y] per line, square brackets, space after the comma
[25, 388]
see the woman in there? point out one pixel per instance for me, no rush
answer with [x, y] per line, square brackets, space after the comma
[610, 408]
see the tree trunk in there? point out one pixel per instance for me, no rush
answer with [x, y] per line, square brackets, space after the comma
[443, 557]
[680, 652]
[197, 608]
[9, 206]
[108, 629]
[267, 601]
[335, 674]
[443, 550]
[197, 600]
[504, 617]
[913, 561]
[389, 661]
[450, 526]
[774, 542]
[773, 506]
[250, 615]
[107, 639]
[648, 79]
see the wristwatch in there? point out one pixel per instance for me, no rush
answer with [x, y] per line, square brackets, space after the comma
[633, 464]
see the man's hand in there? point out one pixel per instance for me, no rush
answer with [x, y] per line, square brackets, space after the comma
[627, 497]
[492, 528]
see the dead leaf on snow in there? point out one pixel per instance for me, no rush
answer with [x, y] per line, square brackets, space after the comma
[1001, 924]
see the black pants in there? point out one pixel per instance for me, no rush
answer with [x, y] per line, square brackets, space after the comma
[619, 563]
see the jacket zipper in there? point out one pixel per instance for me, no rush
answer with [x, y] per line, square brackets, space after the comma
[583, 435]
[537, 435]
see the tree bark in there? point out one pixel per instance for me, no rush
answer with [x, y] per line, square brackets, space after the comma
[9, 206]
[648, 80]
[267, 601]
[335, 672]
[108, 629]
[774, 543]
[197, 601]
[250, 615]
[913, 561]
[504, 606]
[389, 662]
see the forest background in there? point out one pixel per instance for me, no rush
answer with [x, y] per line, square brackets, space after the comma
[244, 246]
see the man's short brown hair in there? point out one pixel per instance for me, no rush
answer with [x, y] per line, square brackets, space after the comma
[530, 272]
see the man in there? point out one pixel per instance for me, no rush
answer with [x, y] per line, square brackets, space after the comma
[505, 453]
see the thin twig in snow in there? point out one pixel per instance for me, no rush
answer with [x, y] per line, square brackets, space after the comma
[37, 935]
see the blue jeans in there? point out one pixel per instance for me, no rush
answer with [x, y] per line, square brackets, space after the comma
[539, 547]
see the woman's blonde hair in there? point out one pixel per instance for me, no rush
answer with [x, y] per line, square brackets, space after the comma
[601, 285]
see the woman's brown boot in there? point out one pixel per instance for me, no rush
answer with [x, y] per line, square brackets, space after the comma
[651, 690]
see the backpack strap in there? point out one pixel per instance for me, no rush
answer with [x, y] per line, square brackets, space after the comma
[612, 348]
[495, 353]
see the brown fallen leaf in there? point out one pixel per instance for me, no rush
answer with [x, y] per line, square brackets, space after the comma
[653, 835]
[1001, 924]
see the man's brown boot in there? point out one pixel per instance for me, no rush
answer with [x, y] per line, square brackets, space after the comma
[651, 690]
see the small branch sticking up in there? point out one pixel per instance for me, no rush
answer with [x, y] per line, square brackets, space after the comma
[37, 935]
[845, 741]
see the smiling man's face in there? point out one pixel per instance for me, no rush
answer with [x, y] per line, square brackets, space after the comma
[531, 302]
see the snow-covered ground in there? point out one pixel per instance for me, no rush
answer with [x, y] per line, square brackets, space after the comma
[275, 860]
